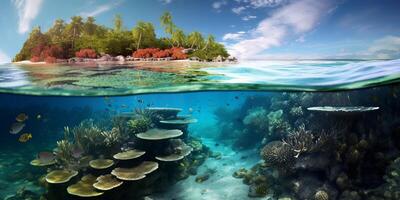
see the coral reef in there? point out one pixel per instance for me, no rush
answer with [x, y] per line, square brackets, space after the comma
[343, 147]
[92, 161]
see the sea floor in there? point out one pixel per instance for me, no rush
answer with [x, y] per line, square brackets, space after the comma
[221, 184]
[16, 174]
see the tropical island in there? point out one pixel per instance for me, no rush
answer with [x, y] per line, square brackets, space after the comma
[83, 41]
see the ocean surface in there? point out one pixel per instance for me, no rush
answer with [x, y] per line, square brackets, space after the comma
[284, 130]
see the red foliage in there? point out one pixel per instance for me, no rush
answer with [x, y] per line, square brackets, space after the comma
[162, 54]
[52, 51]
[145, 53]
[46, 53]
[50, 59]
[86, 53]
[35, 59]
[175, 53]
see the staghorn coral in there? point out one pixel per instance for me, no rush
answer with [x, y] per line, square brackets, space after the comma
[64, 153]
[112, 138]
[304, 141]
[92, 140]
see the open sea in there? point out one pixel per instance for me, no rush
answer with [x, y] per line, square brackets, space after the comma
[276, 130]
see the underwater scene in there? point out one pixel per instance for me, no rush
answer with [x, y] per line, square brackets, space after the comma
[200, 100]
[203, 145]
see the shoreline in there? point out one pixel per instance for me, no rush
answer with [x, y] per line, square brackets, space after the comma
[93, 62]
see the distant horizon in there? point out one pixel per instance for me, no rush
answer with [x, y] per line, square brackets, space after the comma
[250, 29]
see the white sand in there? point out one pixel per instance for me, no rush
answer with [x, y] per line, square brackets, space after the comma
[221, 185]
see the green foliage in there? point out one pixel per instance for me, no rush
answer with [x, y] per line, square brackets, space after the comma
[118, 23]
[36, 38]
[117, 43]
[82, 33]
[143, 35]
[211, 51]
[195, 40]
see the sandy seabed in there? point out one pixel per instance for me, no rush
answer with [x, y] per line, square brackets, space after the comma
[221, 184]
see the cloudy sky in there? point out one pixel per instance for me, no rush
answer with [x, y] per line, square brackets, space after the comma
[261, 29]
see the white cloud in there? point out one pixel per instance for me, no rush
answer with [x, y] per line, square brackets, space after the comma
[233, 36]
[100, 9]
[218, 4]
[4, 58]
[238, 10]
[166, 1]
[27, 11]
[385, 48]
[248, 17]
[295, 18]
[262, 3]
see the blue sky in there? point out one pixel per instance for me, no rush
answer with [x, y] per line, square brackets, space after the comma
[270, 29]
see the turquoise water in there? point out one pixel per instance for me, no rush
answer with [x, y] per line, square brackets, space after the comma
[267, 130]
[127, 79]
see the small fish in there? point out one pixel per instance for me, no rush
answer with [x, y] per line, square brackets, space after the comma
[16, 127]
[190, 110]
[124, 106]
[21, 117]
[140, 101]
[25, 137]
[228, 104]
[39, 116]
[236, 97]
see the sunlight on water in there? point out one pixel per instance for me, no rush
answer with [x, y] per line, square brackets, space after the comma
[97, 80]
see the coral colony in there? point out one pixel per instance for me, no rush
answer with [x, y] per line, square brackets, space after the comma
[144, 152]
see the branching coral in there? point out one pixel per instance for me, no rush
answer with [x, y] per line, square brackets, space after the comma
[64, 152]
[141, 121]
[91, 139]
[112, 138]
[304, 141]
[139, 125]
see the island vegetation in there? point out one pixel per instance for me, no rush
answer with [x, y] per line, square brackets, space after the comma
[84, 39]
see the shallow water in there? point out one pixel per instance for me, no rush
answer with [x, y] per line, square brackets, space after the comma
[126, 79]
[244, 145]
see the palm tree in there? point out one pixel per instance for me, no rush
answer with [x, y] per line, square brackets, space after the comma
[137, 32]
[195, 39]
[118, 23]
[179, 37]
[167, 23]
[210, 41]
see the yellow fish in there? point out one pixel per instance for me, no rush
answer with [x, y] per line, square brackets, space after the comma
[25, 137]
[21, 117]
